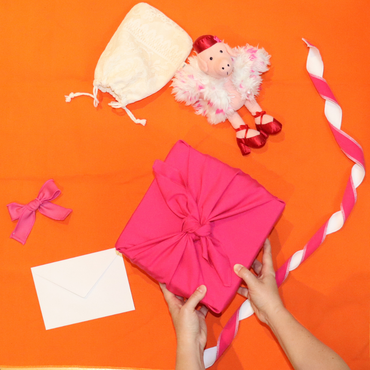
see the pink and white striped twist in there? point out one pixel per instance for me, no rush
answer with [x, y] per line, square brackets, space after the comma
[353, 151]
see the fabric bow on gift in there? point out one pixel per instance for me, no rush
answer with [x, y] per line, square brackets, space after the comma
[196, 221]
[26, 214]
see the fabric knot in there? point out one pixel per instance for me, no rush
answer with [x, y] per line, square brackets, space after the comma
[69, 97]
[34, 205]
[192, 226]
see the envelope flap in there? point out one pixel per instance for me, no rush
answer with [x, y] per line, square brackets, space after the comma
[78, 274]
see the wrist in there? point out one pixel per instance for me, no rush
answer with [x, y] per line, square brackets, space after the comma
[274, 314]
[277, 317]
[192, 347]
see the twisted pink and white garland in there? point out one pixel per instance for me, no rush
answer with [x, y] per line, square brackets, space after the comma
[353, 151]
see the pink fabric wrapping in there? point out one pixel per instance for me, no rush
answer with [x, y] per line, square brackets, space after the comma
[198, 218]
[26, 214]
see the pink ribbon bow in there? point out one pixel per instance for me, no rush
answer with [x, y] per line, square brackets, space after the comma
[26, 214]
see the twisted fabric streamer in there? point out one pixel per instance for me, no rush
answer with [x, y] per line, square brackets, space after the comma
[353, 151]
[26, 214]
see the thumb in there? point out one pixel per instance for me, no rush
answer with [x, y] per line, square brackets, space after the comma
[248, 277]
[196, 297]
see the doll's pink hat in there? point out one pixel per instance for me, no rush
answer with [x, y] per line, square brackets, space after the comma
[204, 42]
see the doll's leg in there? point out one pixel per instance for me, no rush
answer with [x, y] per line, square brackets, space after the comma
[246, 137]
[264, 122]
[236, 121]
[254, 108]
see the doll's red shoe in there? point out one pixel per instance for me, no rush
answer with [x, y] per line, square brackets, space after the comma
[254, 142]
[242, 146]
[270, 128]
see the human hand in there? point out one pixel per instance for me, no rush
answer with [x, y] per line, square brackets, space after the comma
[262, 290]
[190, 324]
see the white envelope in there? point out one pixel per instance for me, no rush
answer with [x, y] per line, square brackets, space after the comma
[82, 288]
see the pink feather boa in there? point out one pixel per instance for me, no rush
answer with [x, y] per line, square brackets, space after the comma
[208, 95]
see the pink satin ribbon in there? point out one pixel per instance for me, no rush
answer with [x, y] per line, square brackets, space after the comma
[26, 214]
[354, 152]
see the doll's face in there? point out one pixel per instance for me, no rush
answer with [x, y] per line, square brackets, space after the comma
[216, 61]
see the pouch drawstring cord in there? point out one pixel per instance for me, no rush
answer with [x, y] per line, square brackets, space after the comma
[94, 96]
[113, 104]
[117, 105]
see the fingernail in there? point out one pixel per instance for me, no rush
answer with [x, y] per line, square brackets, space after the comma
[201, 289]
[238, 267]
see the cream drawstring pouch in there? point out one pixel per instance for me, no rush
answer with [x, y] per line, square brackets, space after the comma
[142, 56]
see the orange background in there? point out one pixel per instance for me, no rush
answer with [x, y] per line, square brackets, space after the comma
[102, 163]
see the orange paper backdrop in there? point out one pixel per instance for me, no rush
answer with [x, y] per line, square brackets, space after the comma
[102, 162]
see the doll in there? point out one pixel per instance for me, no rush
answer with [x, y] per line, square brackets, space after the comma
[219, 80]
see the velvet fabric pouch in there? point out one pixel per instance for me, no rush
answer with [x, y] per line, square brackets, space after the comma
[198, 218]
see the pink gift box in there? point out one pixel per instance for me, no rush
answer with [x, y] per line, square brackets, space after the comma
[198, 218]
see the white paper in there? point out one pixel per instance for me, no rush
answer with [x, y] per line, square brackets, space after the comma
[82, 288]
